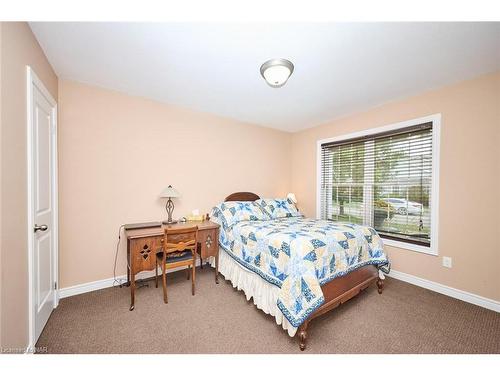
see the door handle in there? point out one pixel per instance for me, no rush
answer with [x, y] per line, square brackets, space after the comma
[42, 227]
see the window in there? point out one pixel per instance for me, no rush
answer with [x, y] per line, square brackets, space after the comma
[385, 178]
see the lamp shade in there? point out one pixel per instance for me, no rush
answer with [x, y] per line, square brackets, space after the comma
[292, 197]
[169, 192]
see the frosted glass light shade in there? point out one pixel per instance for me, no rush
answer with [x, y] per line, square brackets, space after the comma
[276, 72]
[276, 75]
[169, 192]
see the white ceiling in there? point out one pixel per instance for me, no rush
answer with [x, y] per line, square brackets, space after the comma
[340, 68]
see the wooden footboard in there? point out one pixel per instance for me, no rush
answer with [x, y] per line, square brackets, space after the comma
[341, 290]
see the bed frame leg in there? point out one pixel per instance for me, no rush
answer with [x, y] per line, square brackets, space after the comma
[380, 285]
[303, 335]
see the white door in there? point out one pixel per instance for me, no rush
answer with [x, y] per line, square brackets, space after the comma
[42, 183]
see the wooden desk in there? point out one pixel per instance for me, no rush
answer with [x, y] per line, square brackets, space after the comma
[143, 244]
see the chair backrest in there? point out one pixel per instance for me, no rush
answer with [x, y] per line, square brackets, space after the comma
[180, 239]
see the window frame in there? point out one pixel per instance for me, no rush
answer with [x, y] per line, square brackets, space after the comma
[434, 204]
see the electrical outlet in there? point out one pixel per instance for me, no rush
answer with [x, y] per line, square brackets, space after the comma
[447, 262]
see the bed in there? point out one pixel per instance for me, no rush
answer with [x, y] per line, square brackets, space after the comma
[294, 268]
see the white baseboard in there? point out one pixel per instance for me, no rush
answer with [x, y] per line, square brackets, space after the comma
[108, 283]
[89, 287]
[487, 303]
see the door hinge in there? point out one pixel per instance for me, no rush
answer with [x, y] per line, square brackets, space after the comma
[55, 285]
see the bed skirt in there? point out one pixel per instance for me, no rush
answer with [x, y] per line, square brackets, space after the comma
[264, 294]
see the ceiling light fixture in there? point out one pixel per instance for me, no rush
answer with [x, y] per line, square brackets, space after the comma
[276, 72]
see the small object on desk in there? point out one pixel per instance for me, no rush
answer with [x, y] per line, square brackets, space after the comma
[207, 217]
[195, 218]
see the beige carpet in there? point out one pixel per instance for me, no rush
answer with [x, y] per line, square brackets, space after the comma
[218, 319]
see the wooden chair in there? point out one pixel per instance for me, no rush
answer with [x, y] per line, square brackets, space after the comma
[179, 249]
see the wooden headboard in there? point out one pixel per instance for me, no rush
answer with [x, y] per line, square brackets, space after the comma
[242, 196]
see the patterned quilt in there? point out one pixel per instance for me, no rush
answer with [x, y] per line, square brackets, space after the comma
[299, 255]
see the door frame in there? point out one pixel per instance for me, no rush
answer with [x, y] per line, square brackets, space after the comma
[31, 81]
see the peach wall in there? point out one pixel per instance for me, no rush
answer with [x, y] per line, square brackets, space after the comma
[469, 179]
[18, 49]
[116, 154]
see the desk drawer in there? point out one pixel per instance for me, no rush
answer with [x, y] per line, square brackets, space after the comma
[143, 253]
[209, 242]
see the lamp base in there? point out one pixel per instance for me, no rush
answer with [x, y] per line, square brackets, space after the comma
[166, 222]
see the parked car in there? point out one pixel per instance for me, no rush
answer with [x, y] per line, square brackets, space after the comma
[403, 207]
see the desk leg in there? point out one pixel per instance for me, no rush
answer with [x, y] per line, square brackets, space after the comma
[198, 250]
[128, 263]
[217, 267]
[132, 292]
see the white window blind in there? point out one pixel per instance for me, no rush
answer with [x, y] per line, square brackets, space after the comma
[382, 180]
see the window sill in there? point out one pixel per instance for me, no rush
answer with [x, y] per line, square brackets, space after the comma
[410, 246]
